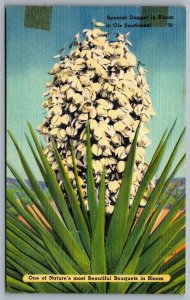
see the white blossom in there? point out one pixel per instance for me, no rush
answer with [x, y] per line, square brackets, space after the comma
[100, 81]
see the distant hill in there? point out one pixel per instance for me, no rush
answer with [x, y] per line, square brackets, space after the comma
[14, 186]
[13, 181]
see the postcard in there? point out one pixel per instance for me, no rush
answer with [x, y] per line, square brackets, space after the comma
[95, 180]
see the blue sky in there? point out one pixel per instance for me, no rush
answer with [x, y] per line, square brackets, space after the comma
[29, 58]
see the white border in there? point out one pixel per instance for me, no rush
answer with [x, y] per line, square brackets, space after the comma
[3, 3]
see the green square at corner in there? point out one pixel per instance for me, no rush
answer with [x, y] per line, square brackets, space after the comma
[159, 12]
[38, 17]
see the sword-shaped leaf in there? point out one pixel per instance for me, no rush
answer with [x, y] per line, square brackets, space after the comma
[98, 255]
[55, 190]
[21, 286]
[91, 191]
[58, 254]
[55, 222]
[152, 168]
[118, 224]
[73, 200]
[140, 227]
[81, 198]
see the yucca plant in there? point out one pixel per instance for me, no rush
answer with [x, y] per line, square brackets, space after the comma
[67, 237]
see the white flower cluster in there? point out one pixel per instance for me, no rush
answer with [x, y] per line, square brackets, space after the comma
[100, 81]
